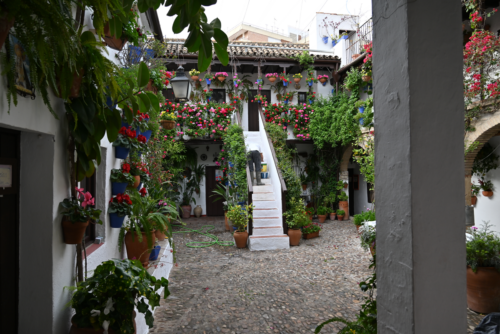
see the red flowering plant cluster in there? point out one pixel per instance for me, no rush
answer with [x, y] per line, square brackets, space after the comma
[140, 121]
[297, 116]
[121, 205]
[80, 209]
[312, 228]
[259, 98]
[367, 62]
[140, 169]
[285, 78]
[209, 120]
[122, 175]
[277, 113]
[127, 138]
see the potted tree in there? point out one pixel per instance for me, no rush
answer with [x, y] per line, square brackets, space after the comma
[296, 217]
[475, 192]
[487, 187]
[119, 207]
[311, 231]
[106, 301]
[77, 214]
[239, 216]
[194, 74]
[120, 179]
[483, 270]
[126, 140]
[340, 214]
[322, 212]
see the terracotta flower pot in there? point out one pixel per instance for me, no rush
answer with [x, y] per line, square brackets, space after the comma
[186, 211]
[240, 238]
[323, 80]
[357, 228]
[160, 235]
[321, 218]
[137, 181]
[294, 236]
[167, 125]
[473, 200]
[151, 87]
[346, 185]
[339, 217]
[487, 193]
[366, 78]
[354, 56]
[483, 290]
[139, 250]
[304, 187]
[311, 235]
[372, 250]
[73, 232]
[5, 25]
[194, 77]
[242, 96]
[271, 79]
[112, 41]
[332, 216]
[221, 78]
[297, 80]
[226, 223]
[344, 205]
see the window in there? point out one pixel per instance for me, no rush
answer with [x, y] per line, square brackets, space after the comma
[169, 94]
[89, 184]
[219, 95]
[302, 97]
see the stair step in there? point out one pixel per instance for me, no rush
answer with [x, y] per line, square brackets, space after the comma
[268, 231]
[268, 221]
[264, 213]
[260, 243]
[266, 181]
[262, 189]
[263, 196]
[264, 204]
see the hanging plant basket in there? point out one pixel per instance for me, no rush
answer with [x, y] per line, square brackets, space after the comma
[296, 80]
[73, 232]
[112, 41]
[323, 80]
[5, 25]
[168, 125]
[487, 193]
[221, 78]
[195, 77]
[366, 78]
[271, 79]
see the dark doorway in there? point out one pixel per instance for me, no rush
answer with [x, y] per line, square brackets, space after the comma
[253, 109]
[351, 191]
[214, 204]
[9, 237]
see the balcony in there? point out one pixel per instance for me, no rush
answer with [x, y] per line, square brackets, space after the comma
[357, 39]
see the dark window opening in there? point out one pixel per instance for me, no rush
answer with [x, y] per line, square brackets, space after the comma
[169, 94]
[219, 95]
[302, 97]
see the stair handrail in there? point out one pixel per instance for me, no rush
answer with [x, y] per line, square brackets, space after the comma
[280, 175]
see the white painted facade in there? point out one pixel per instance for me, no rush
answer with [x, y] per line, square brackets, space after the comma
[316, 33]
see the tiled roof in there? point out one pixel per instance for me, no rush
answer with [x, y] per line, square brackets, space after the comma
[250, 49]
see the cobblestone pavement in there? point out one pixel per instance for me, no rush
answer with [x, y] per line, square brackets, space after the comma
[228, 290]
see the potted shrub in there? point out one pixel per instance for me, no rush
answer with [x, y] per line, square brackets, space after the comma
[487, 187]
[475, 192]
[343, 203]
[140, 172]
[139, 233]
[340, 214]
[77, 214]
[187, 198]
[106, 301]
[311, 79]
[322, 212]
[311, 231]
[272, 77]
[297, 77]
[483, 270]
[296, 217]
[194, 74]
[239, 217]
[323, 78]
[221, 76]
[208, 78]
[126, 140]
[119, 207]
[368, 234]
[120, 179]
[364, 216]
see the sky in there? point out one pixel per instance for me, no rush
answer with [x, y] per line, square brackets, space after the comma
[271, 13]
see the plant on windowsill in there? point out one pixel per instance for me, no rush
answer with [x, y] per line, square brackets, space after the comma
[483, 269]
[106, 301]
[78, 212]
[486, 186]
[311, 231]
[322, 212]
[120, 179]
[296, 217]
[239, 215]
[340, 214]
[119, 207]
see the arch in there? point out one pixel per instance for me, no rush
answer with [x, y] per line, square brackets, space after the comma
[344, 163]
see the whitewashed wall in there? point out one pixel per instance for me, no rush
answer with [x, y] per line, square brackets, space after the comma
[315, 35]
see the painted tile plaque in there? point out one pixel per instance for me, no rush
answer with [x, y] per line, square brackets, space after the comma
[5, 176]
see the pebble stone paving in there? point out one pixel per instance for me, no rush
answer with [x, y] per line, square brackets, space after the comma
[228, 290]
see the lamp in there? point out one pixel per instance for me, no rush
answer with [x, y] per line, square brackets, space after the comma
[181, 85]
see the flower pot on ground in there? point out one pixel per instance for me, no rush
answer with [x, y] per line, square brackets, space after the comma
[368, 235]
[296, 217]
[343, 203]
[310, 235]
[103, 292]
[340, 214]
[241, 238]
[77, 212]
[332, 215]
[311, 231]
[365, 216]
[226, 223]
[239, 215]
[322, 212]
[294, 235]
[137, 246]
[198, 211]
[186, 211]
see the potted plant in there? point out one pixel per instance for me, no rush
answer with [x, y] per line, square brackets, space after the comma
[311, 97]
[239, 217]
[187, 198]
[106, 300]
[272, 77]
[140, 172]
[259, 98]
[221, 76]
[343, 203]
[322, 212]
[289, 97]
[368, 236]
[122, 33]
[119, 207]
[126, 140]
[296, 217]
[340, 214]
[475, 192]
[310, 212]
[208, 78]
[120, 179]
[483, 270]
[323, 78]
[236, 81]
[364, 216]
[297, 77]
[361, 105]
[167, 119]
[194, 74]
[487, 187]
[311, 231]
[366, 75]
[77, 214]
[284, 77]
[311, 79]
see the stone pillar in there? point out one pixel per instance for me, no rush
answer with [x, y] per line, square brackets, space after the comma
[417, 72]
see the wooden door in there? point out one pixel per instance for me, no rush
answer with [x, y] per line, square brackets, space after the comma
[253, 109]
[9, 237]
[214, 207]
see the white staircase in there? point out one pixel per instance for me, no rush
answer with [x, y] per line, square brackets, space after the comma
[267, 215]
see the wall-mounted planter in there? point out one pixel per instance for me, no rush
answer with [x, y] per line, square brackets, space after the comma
[73, 232]
[195, 77]
[137, 181]
[325, 39]
[118, 187]
[208, 81]
[286, 101]
[121, 152]
[271, 79]
[259, 81]
[147, 134]
[334, 42]
[311, 101]
[473, 200]
[112, 41]
[221, 78]
[310, 83]
[487, 193]
[344, 37]
[285, 83]
[116, 221]
[155, 253]
[361, 110]
[323, 81]
[139, 186]
[167, 125]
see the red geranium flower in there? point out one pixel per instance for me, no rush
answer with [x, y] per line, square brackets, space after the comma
[143, 192]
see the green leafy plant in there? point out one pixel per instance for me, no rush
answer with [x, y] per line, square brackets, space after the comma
[475, 189]
[340, 212]
[311, 228]
[305, 60]
[483, 248]
[122, 175]
[364, 216]
[365, 157]
[310, 211]
[485, 161]
[79, 209]
[107, 299]
[343, 196]
[296, 216]
[239, 216]
[368, 236]
[323, 210]
[486, 185]
[353, 80]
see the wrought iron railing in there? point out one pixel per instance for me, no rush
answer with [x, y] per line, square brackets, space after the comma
[357, 39]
